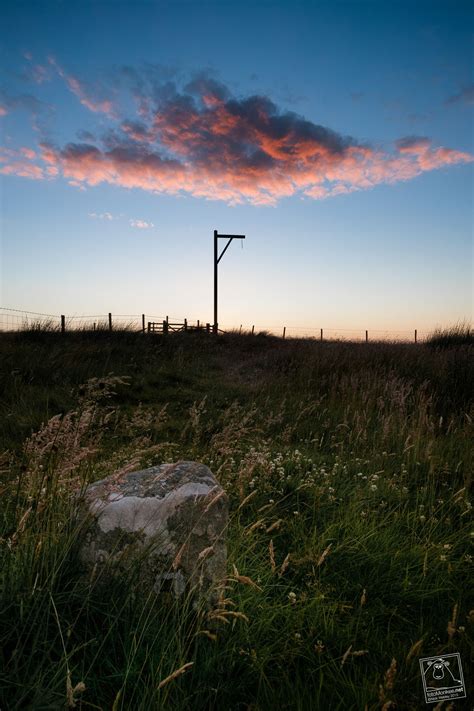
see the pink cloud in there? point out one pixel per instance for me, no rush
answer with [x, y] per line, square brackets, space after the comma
[206, 143]
[78, 89]
[20, 163]
[141, 224]
[39, 74]
[81, 90]
[28, 153]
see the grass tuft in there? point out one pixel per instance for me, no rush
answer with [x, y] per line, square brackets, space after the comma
[458, 335]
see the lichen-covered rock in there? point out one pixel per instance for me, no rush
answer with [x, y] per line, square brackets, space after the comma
[166, 523]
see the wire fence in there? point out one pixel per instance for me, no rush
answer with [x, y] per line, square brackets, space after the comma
[337, 334]
[20, 320]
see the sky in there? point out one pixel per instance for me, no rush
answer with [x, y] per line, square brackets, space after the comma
[337, 136]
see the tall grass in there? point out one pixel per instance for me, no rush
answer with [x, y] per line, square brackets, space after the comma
[458, 335]
[348, 468]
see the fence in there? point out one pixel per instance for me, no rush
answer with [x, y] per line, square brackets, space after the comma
[347, 334]
[17, 320]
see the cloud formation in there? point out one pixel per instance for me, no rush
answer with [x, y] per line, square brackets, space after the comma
[203, 141]
[81, 90]
[137, 223]
[20, 162]
[25, 102]
[141, 224]
[465, 96]
[101, 215]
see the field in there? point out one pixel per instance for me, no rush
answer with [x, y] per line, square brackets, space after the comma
[348, 468]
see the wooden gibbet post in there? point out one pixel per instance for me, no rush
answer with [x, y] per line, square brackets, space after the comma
[217, 259]
[216, 262]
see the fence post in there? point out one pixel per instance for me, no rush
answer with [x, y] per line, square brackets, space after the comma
[110, 322]
[143, 323]
[149, 326]
[165, 326]
[94, 325]
[167, 319]
[198, 326]
[185, 324]
[240, 329]
[321, 334]
[208, 327]
[366, 336]
[63, 323]
[284, 331]
[416, 336]
[253, 330]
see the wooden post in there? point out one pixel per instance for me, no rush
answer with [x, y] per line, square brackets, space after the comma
[284, 331]
[217, 259]
[253, 330]
[143, 323]
[208, 327]
[416, 336]
[366, 336]
[240, 329]
[94, 325]
[165, 325]
[63, 323]
[110, 322]
[167, 319]
[149, 326]
[321, 334]
[216, 262]
[198, 324]
[185, 324]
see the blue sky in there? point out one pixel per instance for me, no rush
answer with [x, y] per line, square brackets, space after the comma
[336, 136]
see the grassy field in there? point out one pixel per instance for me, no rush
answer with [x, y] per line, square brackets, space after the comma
[348, 468]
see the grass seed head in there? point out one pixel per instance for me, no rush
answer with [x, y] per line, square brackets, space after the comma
[271, 551]
[175, 674]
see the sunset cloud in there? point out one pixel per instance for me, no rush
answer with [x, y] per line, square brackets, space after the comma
[23, 102]
[82, 91]
[141, 224]
[137, 223]
[22, 163]
[203, 141]
[37, 73]
[465, 96]
[101, 215]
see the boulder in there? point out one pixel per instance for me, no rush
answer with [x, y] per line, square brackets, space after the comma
[165, 524]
